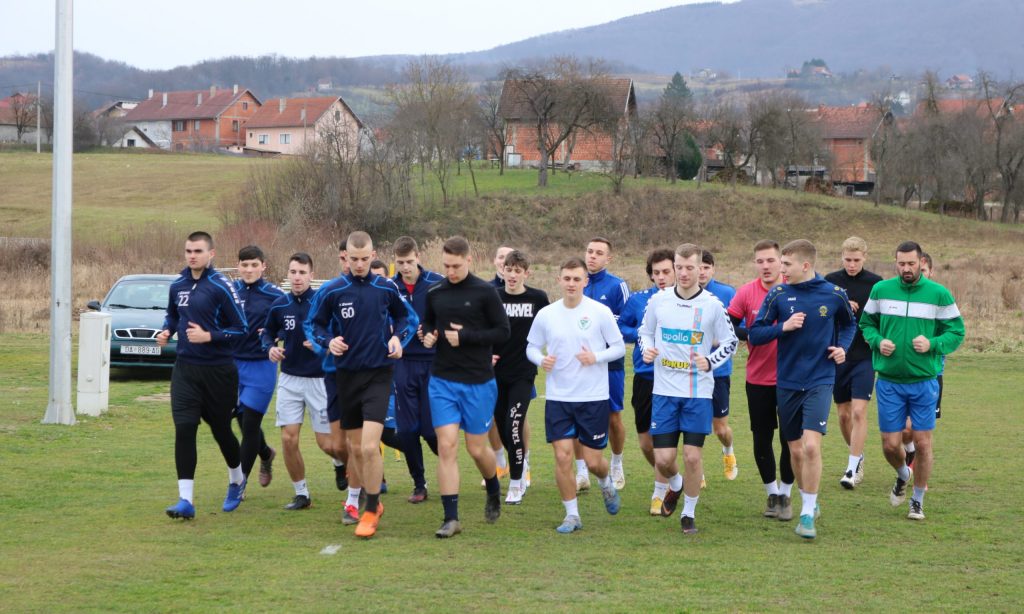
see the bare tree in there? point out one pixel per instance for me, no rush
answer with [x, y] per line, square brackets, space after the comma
[669, 122]
[489, 116]
[23, 110]
[882, 141]
[1007, 137]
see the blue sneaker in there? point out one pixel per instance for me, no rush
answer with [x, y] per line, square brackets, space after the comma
[805, 528]
[612, 501]
[236, 492]
[570, 524]
[182, 509]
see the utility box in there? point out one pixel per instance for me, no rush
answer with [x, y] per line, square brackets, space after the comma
[93, 363]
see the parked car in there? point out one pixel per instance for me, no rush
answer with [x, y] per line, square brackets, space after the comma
[137, 304]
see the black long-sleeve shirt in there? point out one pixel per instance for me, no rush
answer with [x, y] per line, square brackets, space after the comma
[474, 304]
[858, 288]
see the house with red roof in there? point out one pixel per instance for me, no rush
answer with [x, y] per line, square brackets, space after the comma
[846, 134]
[18, 118]
[289, 126]
[195, 120]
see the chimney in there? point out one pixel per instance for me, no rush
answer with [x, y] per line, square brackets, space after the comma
[280, 105]
[165, 101]
[150, 94]
[234, 89]
[199, 99]
[213, 91]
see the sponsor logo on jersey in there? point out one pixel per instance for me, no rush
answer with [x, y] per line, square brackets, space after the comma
[584, 322]
[792, 298]
[682, 336]
[675, 364]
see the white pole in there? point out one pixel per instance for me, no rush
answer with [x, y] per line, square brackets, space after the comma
[39, 116]
[59, 410]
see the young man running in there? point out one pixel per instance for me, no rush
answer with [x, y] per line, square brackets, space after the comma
[513, 372]
[855, 379]
[354, 316]
[686, 334]
[574, 339]
[204, 312]
[257, 375]
[760, 383]
[661, 271]
[813, 323]
[723, 374]
[909, 322]
[412, 373]
[612, 292]
[465, 319]
[301, 383]
[494, 436]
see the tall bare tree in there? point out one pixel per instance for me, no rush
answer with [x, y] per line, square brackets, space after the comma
[1007, 136]
[23, 110]
[489, 116]
[668, 124]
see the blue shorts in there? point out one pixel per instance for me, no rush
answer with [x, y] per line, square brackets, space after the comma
[616, 389]
[471, 406]
[801, 410]
[257, 380]
[854, 380]
[680, 415]
[897, 401]
[720, 398]
[331, 386]
[586, 421]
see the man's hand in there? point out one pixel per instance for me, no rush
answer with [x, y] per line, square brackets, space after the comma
[428, 339]
[702, 363]
[921, 344]
[886, 347]
[549, 362]
[394, 347]
[162, 337]
[307, 344]
[494, 359]
[837, 354]
[794, 322]
[337, 346]
[650, 354]
[585, 356]
[276, 354]
[196, 334]
[452, 335]
[854, 306]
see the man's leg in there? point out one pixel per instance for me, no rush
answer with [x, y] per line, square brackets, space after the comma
[513, 406]
[922, 398]
[720, 425]
[582, 475]
[665, 452]
[476, 404]
[762, 407]
[407, 415]
[893, 417]
[616, 429]
[565, 478]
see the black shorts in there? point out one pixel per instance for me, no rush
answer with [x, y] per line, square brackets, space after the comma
[762, 405]
[203, 392]
[671, 440]
[854, 380]
[720, 397]
[363, 396]
[641, 400]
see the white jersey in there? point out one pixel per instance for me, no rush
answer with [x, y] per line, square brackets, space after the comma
[681, 329]
[564, 332]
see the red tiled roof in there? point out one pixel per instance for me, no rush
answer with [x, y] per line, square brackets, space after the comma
[953, 106]
[856, 122]
[185, 105]
[513, 104]
[270, 114]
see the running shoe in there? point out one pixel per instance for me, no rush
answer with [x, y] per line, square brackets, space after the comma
[368, 523]
[916, 511]
[582, 483]
[527, 478]
[341, 477]
[350, 515]
[785, 508]
[236, 493]
[849, 480]
[687, 524]
[618, 477]
[449, 528]
[899, 490]
[668, 506]
[703, 482]
[300, 502]
[503, 472]
[569, 525]
[771, 508]
[492, 509]
[612, 501]
[656, 503]
[514, 496]
[419, 495]
[858, 477]
[267, 469]
[729, 464]
[182, 509]
[805, 528]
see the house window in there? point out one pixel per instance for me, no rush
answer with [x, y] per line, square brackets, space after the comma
[131, 142]
[250, 135]
[179, 126]
[337, 116]
[196, 126]
[286, 139]
[264, 138]
[234, 125]
[245, 106]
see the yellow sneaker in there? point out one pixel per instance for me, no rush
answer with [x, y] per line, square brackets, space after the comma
[656, 506]
[703, 482]
[731, 470]
[503, 472]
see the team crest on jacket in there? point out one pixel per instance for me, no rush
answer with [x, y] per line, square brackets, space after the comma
[584, 322]
[823, 311]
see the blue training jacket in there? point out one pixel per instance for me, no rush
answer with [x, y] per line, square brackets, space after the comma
[612, 292]
[363, 310]
[284, 322]
[256, 299]
[630, 319]
[418, 300]
[724, 294]
[803, 353]
[210, 302]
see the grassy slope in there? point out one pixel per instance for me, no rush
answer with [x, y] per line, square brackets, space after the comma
[84, 528]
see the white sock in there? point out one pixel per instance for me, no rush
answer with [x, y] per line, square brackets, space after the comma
[616, 460]
[337, 463]
[605, 483]
[235, 475]
[904, 472]
[810, 500]
[676, 482]
[660, 490]
[526, 460]
[852, 462]
[918, 495]
[909, 447]
[353, 496]
[185, 489]
[689, 505]
[786, 489]
[515, 484]
[501, 458]
[771, 488]
[571, 507]
[300, 488]
[581, 467]
[727, 450]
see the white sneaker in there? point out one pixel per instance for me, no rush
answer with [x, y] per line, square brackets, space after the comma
[858, 476]
[527, 482]
[582, 482]
[618, 477]
[515, 495]
[849, 480]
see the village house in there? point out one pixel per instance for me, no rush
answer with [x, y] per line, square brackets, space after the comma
[197, 120]
[18, 111]
[846, 134]
[290, 125]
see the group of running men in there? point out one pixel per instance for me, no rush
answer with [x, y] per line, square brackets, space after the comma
[422, 355]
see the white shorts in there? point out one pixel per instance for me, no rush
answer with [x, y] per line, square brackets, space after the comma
[295, 394]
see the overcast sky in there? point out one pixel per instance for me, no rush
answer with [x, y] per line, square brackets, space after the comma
[167, 34]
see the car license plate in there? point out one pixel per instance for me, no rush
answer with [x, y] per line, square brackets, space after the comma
[146, 350]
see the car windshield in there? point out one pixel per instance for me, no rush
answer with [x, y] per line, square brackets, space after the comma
[139, 294]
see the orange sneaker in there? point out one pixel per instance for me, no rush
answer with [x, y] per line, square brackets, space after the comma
[368, 524]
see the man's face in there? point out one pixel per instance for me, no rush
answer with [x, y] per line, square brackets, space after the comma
[198, 254]
[515, 277]
[359, 259]
[299, 276]
[926, 269]
[853, 262]
[707, 271]
[499, 260]
[794, 268]
[598, 256]
[687, 272]
[343, 262]
[382, 271]
[251, 270]
[572, 282]
[408, 265]
[456, 268]
[768, 266]
[663, 274]
[908, 265]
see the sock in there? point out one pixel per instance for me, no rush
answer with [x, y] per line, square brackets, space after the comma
[572, 507]
[371, 502]
[903, 472]
[581, 467]
[526, 458]
[605, 483]
[337, 463]
[185, 489]
[616, 460]
[771, 488]
[660, 490]
[676, 482]
[909, 447]
[786, 489]
[499, 455]
[689, 505]
[451, 507]
[727, 450]
[918, 495]
[493, 486]
[235, 475]
[353, 497]
[852, 462]
[300, 488]
[515, 484]
[810, 500]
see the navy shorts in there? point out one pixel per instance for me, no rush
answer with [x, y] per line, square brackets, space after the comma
[643, 394]
[801, 410]
[257, 380]
[720, 398]
[470, 406]
[616, 389]
[680, 415]
[366, 395]
[896, 402]
[586, 421]
[331, 386]
[412, 381]
[854, 380]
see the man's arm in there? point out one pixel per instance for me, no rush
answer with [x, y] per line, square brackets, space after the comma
[727, 341]
[234, 325]
[765, 328]
[630, 318]
[318, 323]
[498, 330]
[846, 321]
[949, 328]
[616, 347]
[870, 316]
[271, 328]
[404, 318]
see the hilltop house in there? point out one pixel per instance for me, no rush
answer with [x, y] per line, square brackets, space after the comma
[196, 120]
[290, 125]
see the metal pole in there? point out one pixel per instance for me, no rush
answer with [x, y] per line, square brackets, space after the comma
[59, 410]
[39, 116]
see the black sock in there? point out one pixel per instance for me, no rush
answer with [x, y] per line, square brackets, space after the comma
[493, 486]
[371, 502]
[451, 507]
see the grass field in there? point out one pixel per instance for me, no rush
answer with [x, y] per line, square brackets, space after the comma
[84, 529]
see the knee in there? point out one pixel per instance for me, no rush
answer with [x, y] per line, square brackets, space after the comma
[446, 449]
[892, 446]
[692, 456]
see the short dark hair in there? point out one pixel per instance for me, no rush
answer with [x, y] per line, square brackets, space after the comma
[601, 240]
[251, 252]
[662, 253]
[302, 258]
[404, 246]
[764, 244]
[456, 246]
[802, 248]
[909, 246]
[378, 264]
[707, 258]
[202, 235]
[925, 256]
[516, 258]
[343, 245]
[359, 239]
[573, 263]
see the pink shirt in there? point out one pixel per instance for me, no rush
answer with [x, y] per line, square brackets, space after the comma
[745, 305]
